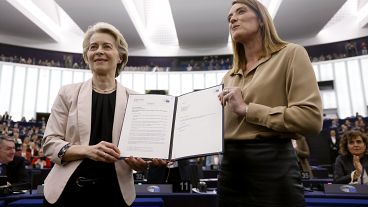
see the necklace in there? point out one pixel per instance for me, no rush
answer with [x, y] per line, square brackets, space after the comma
[104, 91]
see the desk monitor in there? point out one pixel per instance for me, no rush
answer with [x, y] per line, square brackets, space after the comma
[346, 189]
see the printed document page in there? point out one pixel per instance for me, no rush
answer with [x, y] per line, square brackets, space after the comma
[199, 124]
[146, 131]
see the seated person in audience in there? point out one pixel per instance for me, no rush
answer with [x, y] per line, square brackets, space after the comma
[333, 142]
[302, 153]
[18, 150]
[26, 153]
[6, 116]
[361, 122]
[10, 165]
[352, 165]
[41, 161]
[213, 162]
[335, 123]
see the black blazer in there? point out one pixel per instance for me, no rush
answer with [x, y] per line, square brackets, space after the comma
[344, 166]
[16, 170]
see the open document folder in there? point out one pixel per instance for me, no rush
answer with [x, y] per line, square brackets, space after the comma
[170, 127]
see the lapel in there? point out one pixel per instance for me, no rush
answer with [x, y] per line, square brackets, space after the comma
[84, 105]
[120, 106]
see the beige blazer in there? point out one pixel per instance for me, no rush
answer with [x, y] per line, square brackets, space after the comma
[70, 122]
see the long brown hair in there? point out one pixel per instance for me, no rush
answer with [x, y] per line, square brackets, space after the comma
[271, 41]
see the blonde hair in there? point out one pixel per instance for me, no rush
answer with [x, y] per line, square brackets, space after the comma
[102, 27]
[271, 41]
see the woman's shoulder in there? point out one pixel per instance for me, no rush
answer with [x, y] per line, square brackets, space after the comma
[292, 50]
[71, 86]
[75, 88]
[131, 91]
[71, 91]
[293, 47]
[343, 158]
[125, 89]
[231, 72]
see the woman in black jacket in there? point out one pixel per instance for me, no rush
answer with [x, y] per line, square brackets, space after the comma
[352, 165]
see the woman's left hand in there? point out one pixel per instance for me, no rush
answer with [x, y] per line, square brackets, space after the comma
[138, 164]
[233, 97]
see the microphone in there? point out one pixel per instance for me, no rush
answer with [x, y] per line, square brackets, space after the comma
[15, 188]
[18, 187]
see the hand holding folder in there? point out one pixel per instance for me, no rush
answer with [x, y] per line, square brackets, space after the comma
[169, 127]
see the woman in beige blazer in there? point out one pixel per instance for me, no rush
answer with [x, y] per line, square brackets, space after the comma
[83, 130]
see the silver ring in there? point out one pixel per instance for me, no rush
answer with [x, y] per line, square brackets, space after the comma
[226, 91]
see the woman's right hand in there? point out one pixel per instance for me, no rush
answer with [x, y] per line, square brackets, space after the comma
[103, 151]
[358, 166]
[233, 97]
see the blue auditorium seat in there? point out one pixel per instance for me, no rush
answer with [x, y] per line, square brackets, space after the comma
[27, 203]
[138, 202]
[148, 202]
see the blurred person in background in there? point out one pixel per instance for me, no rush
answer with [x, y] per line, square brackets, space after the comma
[302, 153]
[11, 165]
[352, 164]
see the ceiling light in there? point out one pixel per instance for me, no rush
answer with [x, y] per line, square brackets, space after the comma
[38, 17]
[154, 22]
[363, 15]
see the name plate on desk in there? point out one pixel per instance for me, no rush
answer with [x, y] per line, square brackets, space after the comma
[153, 188]
[182, 187]
[346, 189]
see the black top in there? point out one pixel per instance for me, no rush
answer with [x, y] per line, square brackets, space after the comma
[344, 166]
[102, 119]
[16, 170]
